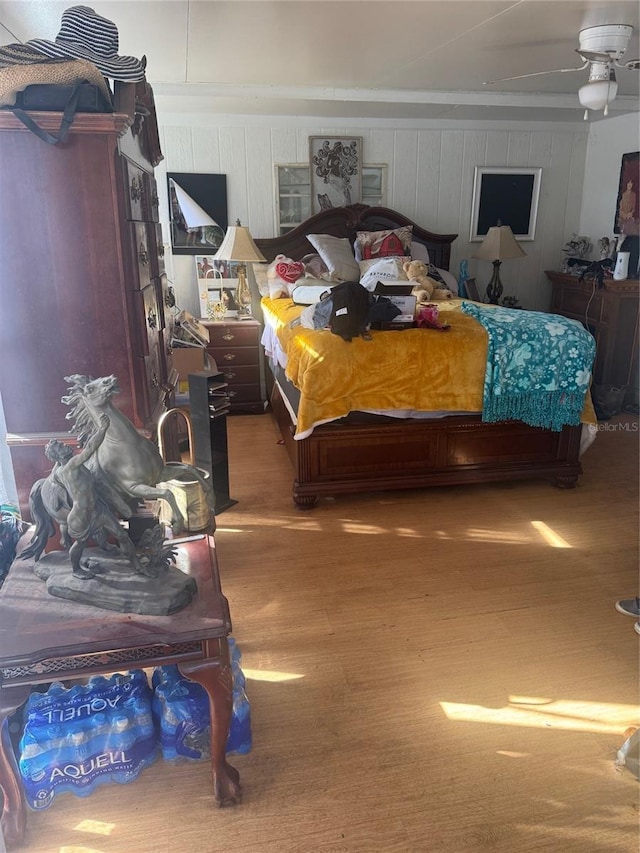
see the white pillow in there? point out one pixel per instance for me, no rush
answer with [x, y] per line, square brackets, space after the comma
[309, 292]
[260, 275]
[337, 254]
[381, 269]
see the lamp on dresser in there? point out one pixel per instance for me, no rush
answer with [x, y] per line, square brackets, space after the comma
[499, 245]
[238, 246]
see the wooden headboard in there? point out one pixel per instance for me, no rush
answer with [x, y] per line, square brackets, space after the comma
[344, 222]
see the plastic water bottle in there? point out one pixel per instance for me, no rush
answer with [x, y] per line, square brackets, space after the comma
[181, 710]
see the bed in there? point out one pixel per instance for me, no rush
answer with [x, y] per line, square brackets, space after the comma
[373, 449]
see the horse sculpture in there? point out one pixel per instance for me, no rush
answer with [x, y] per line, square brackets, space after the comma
[126, 463]
[72, 497]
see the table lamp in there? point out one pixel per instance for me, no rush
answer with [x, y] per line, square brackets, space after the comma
[238, 246]
[499, 245]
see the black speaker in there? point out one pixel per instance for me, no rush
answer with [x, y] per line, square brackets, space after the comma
[209, 405]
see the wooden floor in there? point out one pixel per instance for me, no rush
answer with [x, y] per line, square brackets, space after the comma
[432, 671]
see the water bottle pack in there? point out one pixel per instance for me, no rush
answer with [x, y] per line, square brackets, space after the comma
[76, 739]
[181, 711]
[110, 729]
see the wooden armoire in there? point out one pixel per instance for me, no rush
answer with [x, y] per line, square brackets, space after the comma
[83, 287]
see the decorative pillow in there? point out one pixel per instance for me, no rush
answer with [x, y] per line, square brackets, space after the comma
[381, 269]
[385, 244]
[315, 267]
[337, 254]
[419, 252]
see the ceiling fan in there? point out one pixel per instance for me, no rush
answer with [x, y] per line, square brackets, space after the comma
[601, 47]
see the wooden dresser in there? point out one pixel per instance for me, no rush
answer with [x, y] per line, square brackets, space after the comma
[235, 347]
[82, 280]
[611, 314]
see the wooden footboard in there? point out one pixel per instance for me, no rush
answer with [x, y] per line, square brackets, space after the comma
[373, 454]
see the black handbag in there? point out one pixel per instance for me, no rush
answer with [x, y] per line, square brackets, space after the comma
[69, 100]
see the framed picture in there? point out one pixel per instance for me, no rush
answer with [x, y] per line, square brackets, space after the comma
[506, 195]
[471, 287]
[198, 212]
[628, 203]
[217, 285]
[336, 171]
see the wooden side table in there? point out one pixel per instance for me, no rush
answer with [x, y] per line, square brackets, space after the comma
[43, 638]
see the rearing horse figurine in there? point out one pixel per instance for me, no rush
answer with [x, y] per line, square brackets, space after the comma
[126, 461]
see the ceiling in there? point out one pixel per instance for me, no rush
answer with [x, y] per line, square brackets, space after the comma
[395, 59]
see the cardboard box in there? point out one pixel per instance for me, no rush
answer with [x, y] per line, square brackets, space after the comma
[187, 360]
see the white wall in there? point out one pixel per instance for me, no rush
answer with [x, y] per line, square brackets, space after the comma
[608, 141]
[430, 179]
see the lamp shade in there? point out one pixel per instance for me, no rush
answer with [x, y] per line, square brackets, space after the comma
[499, 245]
[238, 245]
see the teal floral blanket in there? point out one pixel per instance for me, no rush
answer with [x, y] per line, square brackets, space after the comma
[538, 366]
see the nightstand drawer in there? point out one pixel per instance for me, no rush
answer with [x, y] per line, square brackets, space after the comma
[242, 374]
[231, 335]
[228, 356]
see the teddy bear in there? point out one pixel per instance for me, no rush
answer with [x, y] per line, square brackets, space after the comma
[425, 289]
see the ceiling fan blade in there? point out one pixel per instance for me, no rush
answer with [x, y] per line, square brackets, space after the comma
[630, 64]
[536, 74]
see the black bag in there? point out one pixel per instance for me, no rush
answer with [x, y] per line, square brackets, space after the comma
[79, 98]
[350, 311]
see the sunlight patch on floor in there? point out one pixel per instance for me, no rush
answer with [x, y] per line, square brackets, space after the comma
[565, 714]
[482, 534]
[549, 535]
[73, 848]
[97, 827]
[362, 529]
[270, 675]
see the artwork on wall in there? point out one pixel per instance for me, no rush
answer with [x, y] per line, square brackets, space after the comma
[198, 212]
[627, 219]
[336, 171]
[509, 195]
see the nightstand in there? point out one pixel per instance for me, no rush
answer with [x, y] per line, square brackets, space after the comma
[235, 347]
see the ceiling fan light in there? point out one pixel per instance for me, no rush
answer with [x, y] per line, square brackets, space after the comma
[596, 94]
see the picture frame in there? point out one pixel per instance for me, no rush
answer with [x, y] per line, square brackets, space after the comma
[471, 286]
[335, 164]
[508, 195]
[217, 284]
[627, 217]
[202, 200]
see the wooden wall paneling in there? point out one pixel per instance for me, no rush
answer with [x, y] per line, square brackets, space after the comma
[206, 150]
[403, 167]
[233, 162]
[284, 145]
[178, 141]
[260, 205]
[381, 150]
[428, 177]
[430, 182]
[497, 148]
[519, 148]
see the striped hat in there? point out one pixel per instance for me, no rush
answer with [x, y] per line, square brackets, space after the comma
[86, 35]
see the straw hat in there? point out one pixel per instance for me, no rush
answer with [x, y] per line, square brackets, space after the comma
[86, 35]
[64, 72]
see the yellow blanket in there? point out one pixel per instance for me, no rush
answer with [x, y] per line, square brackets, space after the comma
[413, 369]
